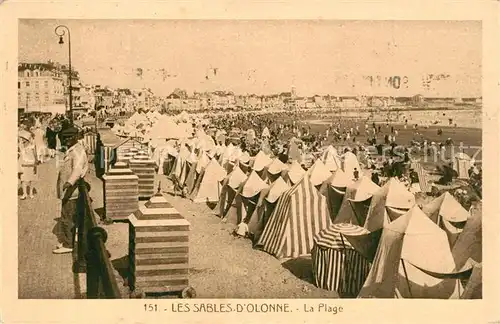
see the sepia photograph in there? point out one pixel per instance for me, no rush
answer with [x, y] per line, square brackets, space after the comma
[250, 159]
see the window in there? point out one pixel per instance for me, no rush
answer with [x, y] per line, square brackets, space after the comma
[18, 85]
[46, 98]
[37, 84]
[46, 84]
[27, 83]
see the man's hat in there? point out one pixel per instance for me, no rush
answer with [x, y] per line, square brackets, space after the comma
[69, 132]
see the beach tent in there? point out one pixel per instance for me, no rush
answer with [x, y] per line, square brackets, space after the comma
[331, 159]
[301, 212]
[358, 191]
[250, 192]
[448, 214]
[334, 189]
[474, 287]
[229, 198]
[468, 246]
[275, 169]
[260, 164]
[294, 173]
[387, 204]
[413, 260]
[318, 173]
[195, 170]
[349, 163]
[462, 163]
[266, 132]
[265, 206]
[337, 266]
[209, 183]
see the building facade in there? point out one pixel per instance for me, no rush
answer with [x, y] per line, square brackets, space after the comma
[40, 88]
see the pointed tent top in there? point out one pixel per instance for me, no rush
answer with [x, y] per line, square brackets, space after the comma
[215, 170]
[266, 133]
[318, 173]
[420, 234]
[261, 161]
[276, 166]
[253, 185]
[278, 187]
[365, 188]
[236, 177]
[295, 172]
[340, 179]
[447, 207]
[397, 195]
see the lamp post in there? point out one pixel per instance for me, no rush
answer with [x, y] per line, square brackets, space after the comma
[61, 31]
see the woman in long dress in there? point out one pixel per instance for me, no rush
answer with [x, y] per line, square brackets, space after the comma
[39, 140]
[27, 156]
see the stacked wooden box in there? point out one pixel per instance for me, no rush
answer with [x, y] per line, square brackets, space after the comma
[121, 192]
[158, 248]
[126, 157]
[144, 168]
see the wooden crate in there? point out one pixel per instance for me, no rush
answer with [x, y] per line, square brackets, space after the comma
[121, 192]
[144, 168]
[158, 248]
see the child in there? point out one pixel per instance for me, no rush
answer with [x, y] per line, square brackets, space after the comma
[28, 161]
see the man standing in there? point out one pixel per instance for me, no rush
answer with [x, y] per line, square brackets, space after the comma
[72, 168]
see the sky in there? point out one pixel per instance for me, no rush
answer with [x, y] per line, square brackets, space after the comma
[264, 57]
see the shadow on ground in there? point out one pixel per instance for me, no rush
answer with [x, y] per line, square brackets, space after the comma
[300, 268]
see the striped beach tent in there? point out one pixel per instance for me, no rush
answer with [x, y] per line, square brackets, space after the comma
[301, 212]
[423, 179]
[265, 206]
[448, 214]
[349, 163]
[90, 142]
[337, 266]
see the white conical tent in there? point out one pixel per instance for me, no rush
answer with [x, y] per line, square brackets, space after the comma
[253, 185]
[448, 214]
[402, 263]
[236, 178]
[166, 128]
[350, 162]
[356, 192]
[278, 187]
[339, 179]
[276, 167]
[261, 161]
[318, 173]
[388, 203]
[210, 185]
[295, 173]
[266, 133]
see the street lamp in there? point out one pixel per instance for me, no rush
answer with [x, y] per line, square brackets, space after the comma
[61, 31]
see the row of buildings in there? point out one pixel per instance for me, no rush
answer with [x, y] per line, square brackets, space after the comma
[44, 87]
